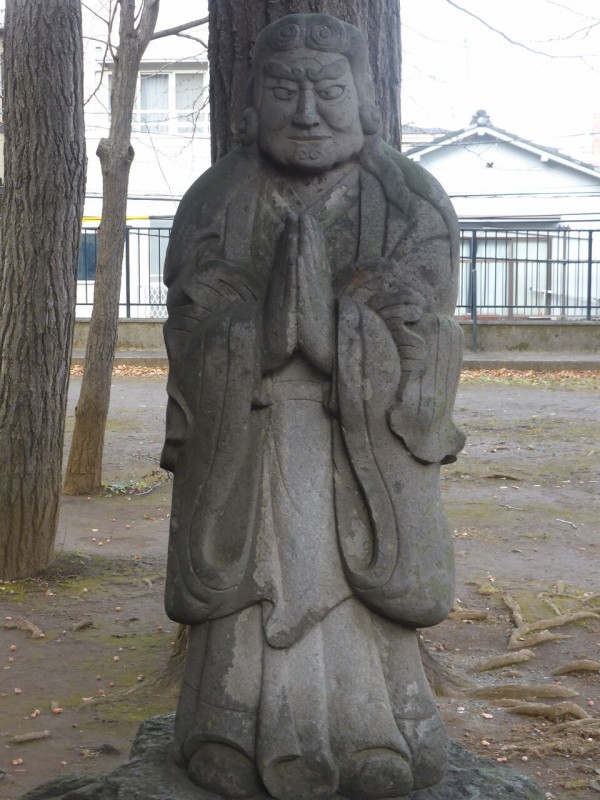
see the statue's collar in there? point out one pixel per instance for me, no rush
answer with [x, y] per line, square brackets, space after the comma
[324, 196]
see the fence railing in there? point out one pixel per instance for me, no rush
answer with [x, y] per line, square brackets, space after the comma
[504, 274]
[530, 273]
[143, 294]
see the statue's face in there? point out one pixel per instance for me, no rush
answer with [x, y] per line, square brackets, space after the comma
[308, 110]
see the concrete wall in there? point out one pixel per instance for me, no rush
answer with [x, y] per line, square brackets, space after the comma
[134, 335]
[534, 337]
[492, 336]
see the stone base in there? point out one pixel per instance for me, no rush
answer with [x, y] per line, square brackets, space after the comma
[151, 774]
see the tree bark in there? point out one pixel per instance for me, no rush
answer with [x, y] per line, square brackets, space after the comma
[84, 468]
[234, 25]
[41, 223]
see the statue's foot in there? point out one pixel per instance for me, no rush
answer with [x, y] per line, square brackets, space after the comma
[304, 778]
[225, 771]
[375, 774]
[430, 746]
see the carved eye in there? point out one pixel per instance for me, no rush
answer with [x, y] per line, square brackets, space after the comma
[282, 93]
[330, 92]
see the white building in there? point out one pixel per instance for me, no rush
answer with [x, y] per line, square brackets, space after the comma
[171, 140]
[170, 133]
[495, 177]
[530, 222]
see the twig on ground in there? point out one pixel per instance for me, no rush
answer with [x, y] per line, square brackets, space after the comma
[468, 614]
[34, 736]
[567, 522]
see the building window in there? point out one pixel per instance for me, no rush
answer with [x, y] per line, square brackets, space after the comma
[153, 104]
[190, 102]
[171, 102]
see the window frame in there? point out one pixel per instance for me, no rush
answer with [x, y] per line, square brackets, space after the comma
[174, 122]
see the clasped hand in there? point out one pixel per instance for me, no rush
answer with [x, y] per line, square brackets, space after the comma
[299, 307]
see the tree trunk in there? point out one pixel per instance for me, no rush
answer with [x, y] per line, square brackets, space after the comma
[41, 223]
[84, 468]
[234, 25]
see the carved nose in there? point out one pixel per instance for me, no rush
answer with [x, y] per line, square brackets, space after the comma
[306, 112]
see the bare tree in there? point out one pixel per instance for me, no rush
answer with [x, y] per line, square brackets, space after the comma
[136, 28]
[41, 221]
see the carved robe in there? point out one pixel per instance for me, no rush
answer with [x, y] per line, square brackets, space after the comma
[307, 534]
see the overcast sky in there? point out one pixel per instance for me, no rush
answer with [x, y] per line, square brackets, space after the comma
[453, 65]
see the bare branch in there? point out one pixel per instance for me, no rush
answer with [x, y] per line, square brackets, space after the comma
[108, 47]
[179, 28]
[194, 39]
[102, 71]
[586, 30]
[95, 13]
[505, 35]
[94, 39]
[569, 9]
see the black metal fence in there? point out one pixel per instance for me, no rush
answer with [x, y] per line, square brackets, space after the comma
[530, 273]
[143, 294]
[504, 273]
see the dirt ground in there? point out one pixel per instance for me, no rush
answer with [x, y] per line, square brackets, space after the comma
[523, 503]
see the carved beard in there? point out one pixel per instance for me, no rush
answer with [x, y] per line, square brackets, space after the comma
[309, 152]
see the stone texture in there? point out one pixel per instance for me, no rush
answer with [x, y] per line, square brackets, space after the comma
[314, 361]
[152, 775]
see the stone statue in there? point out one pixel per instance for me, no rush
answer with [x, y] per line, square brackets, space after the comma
[312, 276]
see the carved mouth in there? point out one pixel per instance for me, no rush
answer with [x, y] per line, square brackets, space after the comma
[305, 139]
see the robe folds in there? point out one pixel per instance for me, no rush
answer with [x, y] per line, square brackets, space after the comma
[307, 531]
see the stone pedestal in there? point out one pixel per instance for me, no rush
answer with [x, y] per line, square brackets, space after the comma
[151, 774]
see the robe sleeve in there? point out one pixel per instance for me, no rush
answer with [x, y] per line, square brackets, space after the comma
[416, 297]
[212, 339]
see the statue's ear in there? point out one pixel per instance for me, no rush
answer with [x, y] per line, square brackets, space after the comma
[370, 119]
[248, 128]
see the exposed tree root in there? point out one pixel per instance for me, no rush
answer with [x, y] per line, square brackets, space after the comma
[552, 605]
[468, 613]
[522, 691]
[563, 619]
[443, 682]
[523, 629]
[506, 660]
[582, 726]
[555, 711]
[581, 665]
[506, 702]
[515, 610]
[23, 624]
[172, 674]
[516, 641]
[87, 622]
